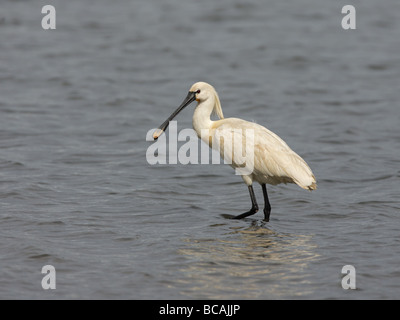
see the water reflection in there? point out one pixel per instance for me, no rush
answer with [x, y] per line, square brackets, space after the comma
[252, 262]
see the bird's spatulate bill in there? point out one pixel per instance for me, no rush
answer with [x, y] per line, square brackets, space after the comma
[157, 133]
[191, 96]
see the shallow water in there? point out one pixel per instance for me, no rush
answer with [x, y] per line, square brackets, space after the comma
[76, 191]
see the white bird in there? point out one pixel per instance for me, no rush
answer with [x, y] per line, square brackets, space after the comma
[273, 161]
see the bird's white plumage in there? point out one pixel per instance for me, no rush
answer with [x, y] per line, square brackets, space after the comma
[274, 161]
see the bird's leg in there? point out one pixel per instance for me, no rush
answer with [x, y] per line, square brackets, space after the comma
[267, 206]
[254, 205]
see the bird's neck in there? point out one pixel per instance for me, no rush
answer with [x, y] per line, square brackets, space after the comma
[202, 115]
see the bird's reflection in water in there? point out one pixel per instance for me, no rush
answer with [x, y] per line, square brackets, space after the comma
[253, 262]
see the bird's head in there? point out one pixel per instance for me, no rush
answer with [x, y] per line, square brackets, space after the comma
[200, 91]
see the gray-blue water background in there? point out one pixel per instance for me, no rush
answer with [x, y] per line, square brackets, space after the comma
[76, 191]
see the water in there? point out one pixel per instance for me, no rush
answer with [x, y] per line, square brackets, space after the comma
[76, 191]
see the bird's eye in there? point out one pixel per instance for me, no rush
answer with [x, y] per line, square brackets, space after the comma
[198, 91]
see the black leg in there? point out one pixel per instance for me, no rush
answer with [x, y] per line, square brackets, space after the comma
[254, 206]
[267, 206]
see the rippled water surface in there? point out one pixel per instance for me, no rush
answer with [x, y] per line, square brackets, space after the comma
[76, 191]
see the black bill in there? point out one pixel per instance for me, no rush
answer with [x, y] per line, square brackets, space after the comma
[189, 99]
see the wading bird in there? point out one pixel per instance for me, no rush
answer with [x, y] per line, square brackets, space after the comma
[273, 161]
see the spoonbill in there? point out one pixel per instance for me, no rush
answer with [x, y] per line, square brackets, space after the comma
[274, 162]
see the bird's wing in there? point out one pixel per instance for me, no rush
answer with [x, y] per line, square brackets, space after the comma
[232, 139]
[277, 159]
[272, 157]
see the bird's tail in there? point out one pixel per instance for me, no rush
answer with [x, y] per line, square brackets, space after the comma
[313, 186]
[307, 186]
